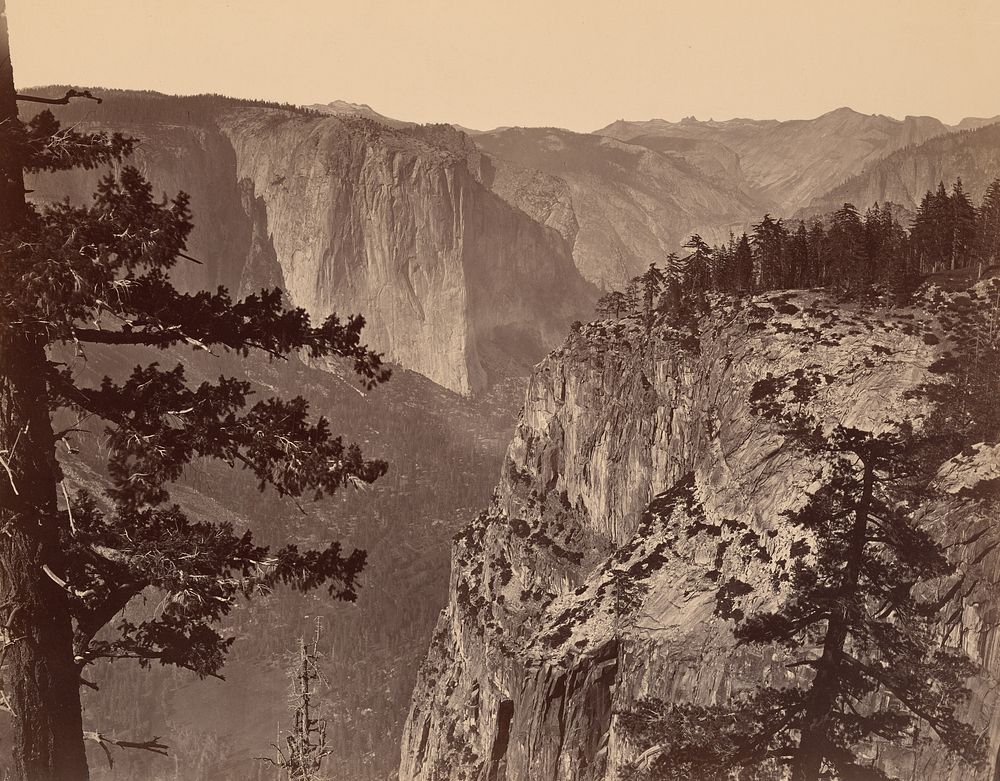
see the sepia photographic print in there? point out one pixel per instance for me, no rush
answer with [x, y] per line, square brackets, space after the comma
[499, 391]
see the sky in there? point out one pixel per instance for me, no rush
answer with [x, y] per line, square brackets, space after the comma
[578, 65]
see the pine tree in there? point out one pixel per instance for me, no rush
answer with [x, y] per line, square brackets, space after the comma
[962, 222]
[98, 274]
[852, 617]
[846, 241]
[818, 255]
[988, 227]
[612, 304]
[651, 285]
[699, 265]
[931, 233]
[722, 264]
[798, 257]
[768, 241]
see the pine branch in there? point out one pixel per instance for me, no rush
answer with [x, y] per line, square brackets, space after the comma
[162, 425]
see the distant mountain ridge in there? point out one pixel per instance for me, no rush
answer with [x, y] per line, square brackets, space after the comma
[905, 175]
[621, 206]
[787, 164]
[639, 192]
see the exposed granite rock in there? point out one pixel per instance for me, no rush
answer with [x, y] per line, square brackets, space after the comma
[584, 587]
[350, 215]
[365, 218]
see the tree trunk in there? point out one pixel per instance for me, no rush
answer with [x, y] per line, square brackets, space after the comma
[40, 681]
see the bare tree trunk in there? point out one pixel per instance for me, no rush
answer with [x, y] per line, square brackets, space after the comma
[40, 681]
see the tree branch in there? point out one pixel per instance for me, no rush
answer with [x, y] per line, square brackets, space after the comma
[149, 338]
[105, 742]
[64, 585]
[64, 100]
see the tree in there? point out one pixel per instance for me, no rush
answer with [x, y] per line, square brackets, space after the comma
[305, 749]
[819, 267]
[651, 284]
[612, 304]
[845, 238]
[988, 227]
[798, 256]
[699, 265]
[742, 265]
[852, 617]
[768, 241]
[99, 275]
[931, 233]
[963, 226]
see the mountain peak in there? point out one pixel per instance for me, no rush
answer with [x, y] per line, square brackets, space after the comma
[841, 113]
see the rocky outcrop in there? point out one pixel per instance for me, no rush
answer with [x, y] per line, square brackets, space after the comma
[350, 215]
[636, 466]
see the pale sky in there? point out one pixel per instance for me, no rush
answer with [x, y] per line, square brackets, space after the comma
[578, 64]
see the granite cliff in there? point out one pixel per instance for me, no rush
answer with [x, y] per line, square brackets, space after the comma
[351, 215]
[591, 579]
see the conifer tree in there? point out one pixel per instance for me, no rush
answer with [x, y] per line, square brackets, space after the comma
[962, 224]
[98, 274]
[612, 304]
[798, 257]
[818, 255]
[932, 230]
[846, 242]
[651, 285]
[988, 227]
[699, 265]
[852, 617]
[742, 265]
[768, 241]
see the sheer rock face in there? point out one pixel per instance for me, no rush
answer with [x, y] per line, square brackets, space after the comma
[635, 469]
[349, 215]
[396, 225]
